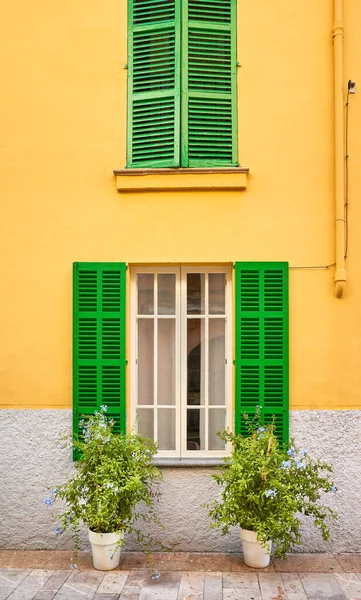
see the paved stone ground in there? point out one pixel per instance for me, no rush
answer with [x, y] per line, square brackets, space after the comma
[46, 575]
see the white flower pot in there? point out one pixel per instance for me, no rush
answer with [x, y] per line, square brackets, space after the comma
[105, 557]
[254, 554]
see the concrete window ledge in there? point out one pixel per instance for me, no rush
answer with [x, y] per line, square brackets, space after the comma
[148, 180]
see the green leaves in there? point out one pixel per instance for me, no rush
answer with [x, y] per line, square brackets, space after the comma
[267, 485]
[113, 476]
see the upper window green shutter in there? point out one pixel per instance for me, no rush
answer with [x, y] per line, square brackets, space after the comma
[99, 341]
[261, 339]
[153, 83]
[209, 95]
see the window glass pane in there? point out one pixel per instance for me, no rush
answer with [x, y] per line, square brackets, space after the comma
[195, 293]
[195, 362]
[166, 294]
[216, 422]
[145, 361]
[217, 359]
[217, 293]
[195, 429]
[166, 361]
[166, 429]
[146, 422]
[145, 294]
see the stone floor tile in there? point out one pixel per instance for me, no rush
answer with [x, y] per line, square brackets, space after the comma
[321, 586]
[158, 594]
[60, 560]
[82, 584]
[30, 585]
[272, 587]
[10, 579]
[6, 558]
[30, 559]
[309, 563]
[244, 594]
[113, 582]
[130, 592]
[292, 583]
[238, 581]
[106, 596]
[191, 585]
[350, 584]
[237, 564]
[84, 560]
[213, 586]
[350, 563]
[137, 560]
[52, 585]
[169, 579]
[136, 578]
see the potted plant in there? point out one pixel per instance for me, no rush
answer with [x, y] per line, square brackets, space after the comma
[113, 476]
[266, 488]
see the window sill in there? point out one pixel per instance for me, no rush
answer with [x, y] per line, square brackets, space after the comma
[148, 180]
[187, 462]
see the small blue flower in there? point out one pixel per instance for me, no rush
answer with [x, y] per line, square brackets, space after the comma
[59, 531]
[286, 464]
[156, 575]
[260, 429]
[334, 489]
[48, 501]
[104, 407]
[53, 492]
[291, 452]
[73, 566]
[300, 465]
[303, 453]
[270, 493]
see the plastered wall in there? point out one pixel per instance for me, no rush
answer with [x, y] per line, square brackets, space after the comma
[62, 123]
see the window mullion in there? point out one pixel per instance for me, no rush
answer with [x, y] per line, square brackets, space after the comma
[206, 362]
[155, 366]
[183, 361]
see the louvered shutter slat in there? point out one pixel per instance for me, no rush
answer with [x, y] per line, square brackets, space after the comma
[209, 128]
[261, 299]
[154, 83]
[99, 341]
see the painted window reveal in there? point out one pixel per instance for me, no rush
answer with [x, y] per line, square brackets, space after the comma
[182, 357]
[99, 341]
[261, 342]
[182, 83]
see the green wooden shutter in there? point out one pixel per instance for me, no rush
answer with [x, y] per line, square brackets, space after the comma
[209, 111]
[99, 341]
[261, 339]
[153, 83]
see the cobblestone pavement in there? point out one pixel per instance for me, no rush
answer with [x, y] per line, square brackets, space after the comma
[44, 575]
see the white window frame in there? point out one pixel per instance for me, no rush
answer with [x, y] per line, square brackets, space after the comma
[180, 343]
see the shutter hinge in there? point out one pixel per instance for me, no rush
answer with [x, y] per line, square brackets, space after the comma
[238, 64]
[234, 362]
[126, 361]
[126, 66]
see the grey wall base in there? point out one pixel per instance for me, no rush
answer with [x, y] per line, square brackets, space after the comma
[31, 463]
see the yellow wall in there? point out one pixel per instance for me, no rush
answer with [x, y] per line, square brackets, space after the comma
[63, 115]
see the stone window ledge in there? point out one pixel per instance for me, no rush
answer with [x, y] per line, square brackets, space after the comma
[180, 179]
[188, 462]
